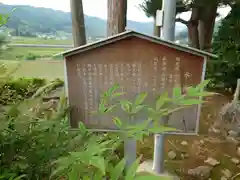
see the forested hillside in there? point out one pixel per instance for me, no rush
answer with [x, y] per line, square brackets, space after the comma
[28, 20]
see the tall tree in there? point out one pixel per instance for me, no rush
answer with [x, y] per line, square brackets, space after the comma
[150, 8]
[78, 25]
[201, 23]
[117, 16]
[224, 71]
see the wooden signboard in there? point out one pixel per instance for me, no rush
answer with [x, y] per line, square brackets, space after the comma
[137, 65]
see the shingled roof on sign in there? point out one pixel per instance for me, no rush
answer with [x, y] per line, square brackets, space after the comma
[131, 33]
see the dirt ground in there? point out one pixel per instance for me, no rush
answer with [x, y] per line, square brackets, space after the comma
[199, 148]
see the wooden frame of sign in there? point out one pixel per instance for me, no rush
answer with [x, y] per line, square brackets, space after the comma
[138, 63]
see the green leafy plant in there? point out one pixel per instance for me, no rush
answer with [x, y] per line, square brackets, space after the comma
[94, 162]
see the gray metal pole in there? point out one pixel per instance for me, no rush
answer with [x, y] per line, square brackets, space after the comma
[168, 33]
[169, 20]
[158, 157]
[130, 151]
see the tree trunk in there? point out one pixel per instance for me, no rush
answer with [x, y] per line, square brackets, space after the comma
[117, 16]
[78, 25]
[193, 29]
[156, 29]
[206, 26]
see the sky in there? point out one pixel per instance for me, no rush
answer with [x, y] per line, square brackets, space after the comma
[96, 8]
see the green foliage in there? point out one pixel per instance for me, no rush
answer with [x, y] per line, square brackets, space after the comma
[16, 90]
[150, 7]
[224, 71]
[31, 56]
[93, 161]
[29, 145]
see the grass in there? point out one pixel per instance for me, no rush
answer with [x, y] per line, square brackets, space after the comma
[49, 69]
[32, 40]
[20, 53]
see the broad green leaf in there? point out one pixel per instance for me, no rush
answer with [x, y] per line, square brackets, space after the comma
[58, 171]
[140, 98]
[85, 177]
[117, 172]
[191, 91]
[112, 89]
[98, 175]
[110, 109]
[150, 177]
[138, 108]
[170, 111]
[131, 172]
[126, 105]
[19, 177]
[117, 122]
[102, 107]
[177, 92]
[82, 127]
[161, 100]
[98, 162]
[118, 94]
[203, 84]
[73, 174]
[189, 102]
[205, 93]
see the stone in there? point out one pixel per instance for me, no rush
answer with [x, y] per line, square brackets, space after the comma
[147, 167]
[223, 178]
[232, 140]
[212, 162]
[184, 143]
[202, 142]
[227, 173]
[200, 172]
[232, 133]
[215, 130]
[238, 151]
[235, 161]
[172, 155]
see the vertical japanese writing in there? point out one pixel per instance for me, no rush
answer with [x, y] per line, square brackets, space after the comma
[133, 75]
[177, 77]
[122, 72]
[105, 74]
[139, 70]
[155, 64]
[111, 74]
[79, 71]
[85, 91]
[95, 86]
[163, 74]
[90, 87]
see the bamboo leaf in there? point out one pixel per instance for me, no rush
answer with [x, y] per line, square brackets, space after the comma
[117, 172]
[177, 92]
[131, 172]
[140, 98]
[117, 122]
[161, 100]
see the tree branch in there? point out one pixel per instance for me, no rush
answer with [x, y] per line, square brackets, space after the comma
[181, 21]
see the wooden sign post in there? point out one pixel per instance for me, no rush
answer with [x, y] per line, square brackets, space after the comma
[138, 63]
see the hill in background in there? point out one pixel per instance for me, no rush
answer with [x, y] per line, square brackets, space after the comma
[28, 21]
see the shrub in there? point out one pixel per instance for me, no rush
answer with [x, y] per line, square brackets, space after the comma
[94, 162]
[16, 90]
[31, 56]
[224, 71]
[29, 145]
